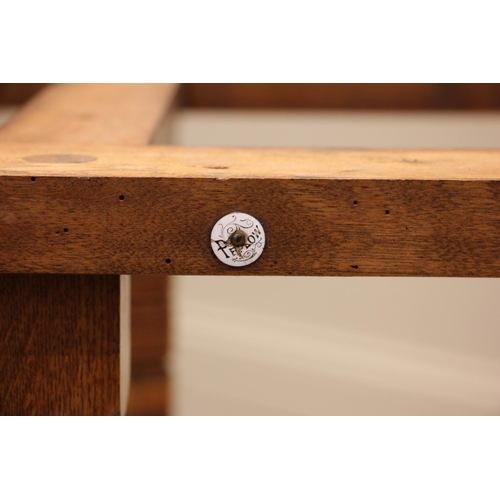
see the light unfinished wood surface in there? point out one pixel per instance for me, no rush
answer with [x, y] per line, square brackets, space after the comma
[75, 160]
[124, 114]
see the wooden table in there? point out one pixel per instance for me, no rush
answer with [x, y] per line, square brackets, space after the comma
[86, 201]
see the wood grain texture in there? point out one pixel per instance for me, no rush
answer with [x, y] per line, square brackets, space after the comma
[94, 114]
[171, 162]
[59, 324]
[343, 95]
[326, 213]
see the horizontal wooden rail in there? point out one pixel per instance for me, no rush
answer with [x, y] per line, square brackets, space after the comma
[77, 160]
[343, 95]
[150, 210]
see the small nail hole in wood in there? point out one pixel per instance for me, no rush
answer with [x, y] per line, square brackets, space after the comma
[121, 197]
[168, 261]
[387, 212]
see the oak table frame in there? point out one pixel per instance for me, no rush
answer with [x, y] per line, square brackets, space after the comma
[85, 201]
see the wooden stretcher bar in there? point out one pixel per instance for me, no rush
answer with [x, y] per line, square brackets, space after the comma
[150, 210]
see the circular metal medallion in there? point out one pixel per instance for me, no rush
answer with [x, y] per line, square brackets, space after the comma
[238, 239]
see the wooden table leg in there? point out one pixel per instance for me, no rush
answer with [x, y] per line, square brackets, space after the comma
[148, 387]
[111, 114]
[60, 344]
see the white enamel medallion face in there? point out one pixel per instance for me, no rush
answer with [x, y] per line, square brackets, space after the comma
[238, 239]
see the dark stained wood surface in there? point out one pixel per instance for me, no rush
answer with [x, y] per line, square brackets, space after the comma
[18, 93]
[325, 213]
[315, 95]
[148, 394]
[54, 325]
[92, 114]
[410, 96]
